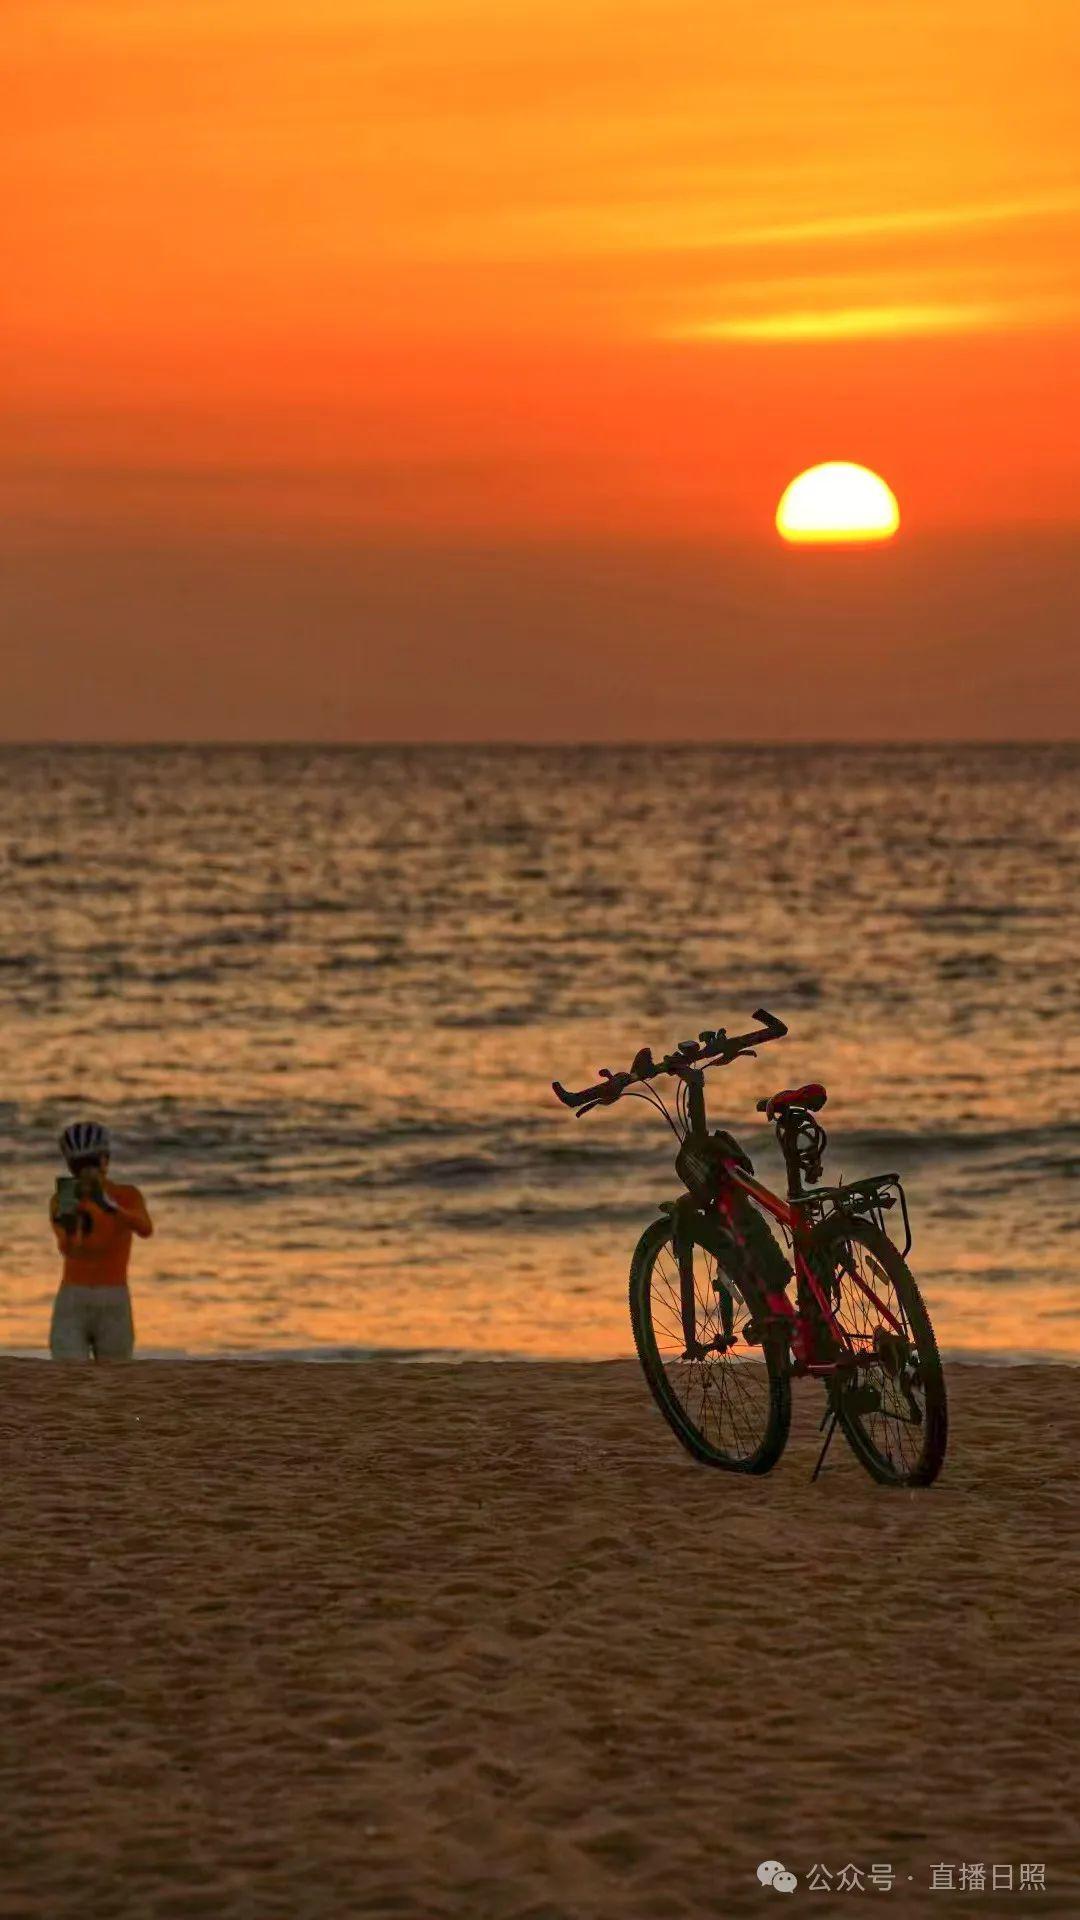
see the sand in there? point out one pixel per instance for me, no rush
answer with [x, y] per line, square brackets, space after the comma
[482, 1641]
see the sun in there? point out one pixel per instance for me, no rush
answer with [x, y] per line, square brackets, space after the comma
[837, 501]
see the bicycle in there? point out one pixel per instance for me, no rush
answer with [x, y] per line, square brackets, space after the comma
[716, 1332]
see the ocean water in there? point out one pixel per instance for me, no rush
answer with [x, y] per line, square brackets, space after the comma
[319, 996]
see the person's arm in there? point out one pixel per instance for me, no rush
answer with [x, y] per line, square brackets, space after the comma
[132, 1212]
[63, 1238]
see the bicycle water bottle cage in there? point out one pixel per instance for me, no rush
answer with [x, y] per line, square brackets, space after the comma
[808, 1143]
[804, 1141]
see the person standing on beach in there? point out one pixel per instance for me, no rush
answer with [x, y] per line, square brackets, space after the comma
[91, 1316]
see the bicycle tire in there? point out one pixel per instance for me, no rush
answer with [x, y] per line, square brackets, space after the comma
[928, 1378]
[693, 1435]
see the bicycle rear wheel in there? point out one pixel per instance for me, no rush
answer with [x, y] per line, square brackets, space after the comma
[726, 1399]
[893, 1408]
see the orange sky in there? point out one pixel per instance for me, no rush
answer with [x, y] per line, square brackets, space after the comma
[368, 283]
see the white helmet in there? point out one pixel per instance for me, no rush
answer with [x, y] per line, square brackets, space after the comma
[84, 1140]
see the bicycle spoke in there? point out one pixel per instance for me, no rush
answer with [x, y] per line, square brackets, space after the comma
[874, 1320]
[726, 1396]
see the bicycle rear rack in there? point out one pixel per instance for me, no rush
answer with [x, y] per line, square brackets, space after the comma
[868, 1199]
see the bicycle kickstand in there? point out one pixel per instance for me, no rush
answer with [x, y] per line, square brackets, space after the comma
[828, 1437]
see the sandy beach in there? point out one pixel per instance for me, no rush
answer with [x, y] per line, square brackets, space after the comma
[434, 1641]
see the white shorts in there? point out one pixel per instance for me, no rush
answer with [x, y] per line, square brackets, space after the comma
[92, 1323]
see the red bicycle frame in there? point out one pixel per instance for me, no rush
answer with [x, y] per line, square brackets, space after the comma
[789, 1214]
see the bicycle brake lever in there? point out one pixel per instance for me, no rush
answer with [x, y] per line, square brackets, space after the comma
[617, 1084]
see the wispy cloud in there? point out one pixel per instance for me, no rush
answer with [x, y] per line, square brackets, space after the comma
[696, 222]
[854, 323]
[869, 224]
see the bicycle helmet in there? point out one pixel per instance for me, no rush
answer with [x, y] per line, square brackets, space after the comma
[84, 1140]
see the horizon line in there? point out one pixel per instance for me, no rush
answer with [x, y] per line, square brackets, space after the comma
[864, 743]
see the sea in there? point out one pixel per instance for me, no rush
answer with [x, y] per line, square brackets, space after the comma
[319, 995]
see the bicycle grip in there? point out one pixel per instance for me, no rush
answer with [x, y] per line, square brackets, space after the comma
[572, 1099]
[603, 1095]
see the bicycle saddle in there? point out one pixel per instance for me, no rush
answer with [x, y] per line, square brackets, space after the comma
[812, 1097]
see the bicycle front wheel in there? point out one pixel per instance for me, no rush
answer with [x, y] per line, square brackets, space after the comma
[892, 1406]
[728, 1400]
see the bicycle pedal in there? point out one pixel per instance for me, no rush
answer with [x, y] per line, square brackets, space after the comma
[754, 1331]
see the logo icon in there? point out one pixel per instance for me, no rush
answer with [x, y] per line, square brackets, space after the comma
[774, 1874]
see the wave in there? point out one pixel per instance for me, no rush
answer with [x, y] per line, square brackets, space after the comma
[331, 1355]
[318, 1355]
[928, 1142]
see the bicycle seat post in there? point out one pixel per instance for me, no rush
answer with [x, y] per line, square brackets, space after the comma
[791, 1157]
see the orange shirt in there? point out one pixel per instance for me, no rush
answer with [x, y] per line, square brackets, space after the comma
[97, 1252]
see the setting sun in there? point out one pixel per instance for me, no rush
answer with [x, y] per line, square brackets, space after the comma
[837, 501]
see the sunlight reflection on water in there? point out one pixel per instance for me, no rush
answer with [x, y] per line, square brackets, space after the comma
[320, 994]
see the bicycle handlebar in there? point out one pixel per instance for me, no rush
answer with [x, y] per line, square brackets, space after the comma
[713, 1048]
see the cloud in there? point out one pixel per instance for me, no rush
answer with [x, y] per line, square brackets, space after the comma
[697, 222]
[879, 222]
[864, 323]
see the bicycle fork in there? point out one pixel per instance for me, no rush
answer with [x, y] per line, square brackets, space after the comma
[688, 1234]
[687, 1297]
[688, 1231]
